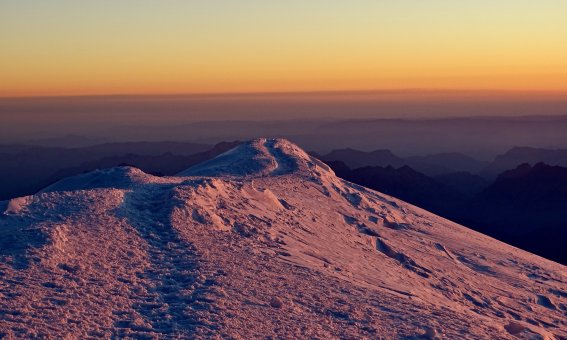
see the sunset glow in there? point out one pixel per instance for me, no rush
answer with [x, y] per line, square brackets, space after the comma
[161, 47]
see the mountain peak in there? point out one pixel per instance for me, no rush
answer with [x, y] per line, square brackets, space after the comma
[273, 233]
[120, 177]
[261, 157]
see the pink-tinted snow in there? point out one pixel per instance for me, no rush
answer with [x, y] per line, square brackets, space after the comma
[262, 242]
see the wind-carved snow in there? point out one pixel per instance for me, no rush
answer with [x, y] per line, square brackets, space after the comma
[258, 158]
[262, 241]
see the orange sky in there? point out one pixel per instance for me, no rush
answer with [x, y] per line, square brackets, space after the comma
[144, 46]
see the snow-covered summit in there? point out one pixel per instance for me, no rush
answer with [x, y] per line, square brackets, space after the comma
[255, 158]
[260, 157]
[121, 177]
[260, 242]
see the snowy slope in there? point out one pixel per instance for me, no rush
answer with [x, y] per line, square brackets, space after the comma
[263, 241]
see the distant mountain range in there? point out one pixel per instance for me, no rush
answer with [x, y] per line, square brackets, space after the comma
[480, 137]
[357, 159]
[449, 163]
[432, 165]
[521, 155]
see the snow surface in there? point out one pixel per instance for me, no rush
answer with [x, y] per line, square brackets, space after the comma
[262, 241]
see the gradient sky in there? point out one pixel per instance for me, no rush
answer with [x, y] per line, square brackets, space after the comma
[72, 47]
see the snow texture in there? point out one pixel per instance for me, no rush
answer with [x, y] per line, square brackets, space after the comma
[263, 241]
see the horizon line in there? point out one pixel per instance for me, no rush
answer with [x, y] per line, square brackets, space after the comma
[383, 91]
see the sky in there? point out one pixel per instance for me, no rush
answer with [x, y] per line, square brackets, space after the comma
[79, 47]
